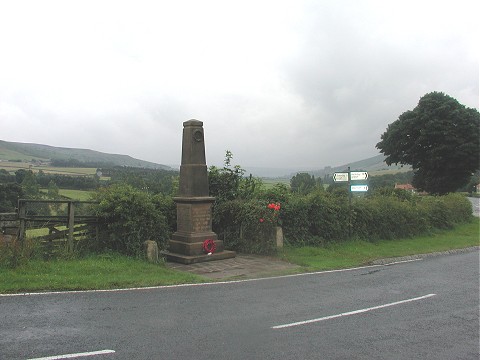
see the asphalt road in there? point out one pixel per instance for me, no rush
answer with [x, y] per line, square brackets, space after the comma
[426, 309]
[475, 205]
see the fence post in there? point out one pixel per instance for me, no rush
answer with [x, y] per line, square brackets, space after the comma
[71, 224]
[21, 216]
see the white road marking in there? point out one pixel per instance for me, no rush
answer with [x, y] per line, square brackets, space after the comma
[401, 262]
[77, 355]
[202, 284]
[351, 312]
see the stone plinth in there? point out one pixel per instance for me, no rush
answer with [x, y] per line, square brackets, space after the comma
[194, 205]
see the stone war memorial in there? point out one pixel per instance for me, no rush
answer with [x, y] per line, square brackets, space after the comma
[194, 241]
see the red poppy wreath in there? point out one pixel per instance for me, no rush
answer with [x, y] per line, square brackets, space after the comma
[209, 246]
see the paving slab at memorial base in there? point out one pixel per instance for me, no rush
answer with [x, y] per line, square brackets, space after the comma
[242, 266]
[255, 266]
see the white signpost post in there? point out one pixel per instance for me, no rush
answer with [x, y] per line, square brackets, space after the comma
[349, 177]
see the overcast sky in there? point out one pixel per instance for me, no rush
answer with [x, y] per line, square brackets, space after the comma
[286, 84]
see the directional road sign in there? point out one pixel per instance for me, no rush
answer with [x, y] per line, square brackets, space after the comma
[337, 177]
[358, 175]
[359, 188]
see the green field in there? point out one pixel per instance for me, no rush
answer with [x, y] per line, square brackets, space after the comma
[11, 167]
[270, 183]
[80, 195]
[8, 154]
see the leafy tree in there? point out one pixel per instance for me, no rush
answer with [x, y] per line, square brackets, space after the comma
[20, 175]
[53, 191]
[229, 183]
[9, 195]
[439, 138]
[151, 180]
[5, 177]
[303, 183]
[30, 186]
[389, 180]
[66, 181]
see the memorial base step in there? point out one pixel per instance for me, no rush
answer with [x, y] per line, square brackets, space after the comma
[187, 259]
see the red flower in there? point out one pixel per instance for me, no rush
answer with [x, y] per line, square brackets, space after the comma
[262, 220]
[274, 206]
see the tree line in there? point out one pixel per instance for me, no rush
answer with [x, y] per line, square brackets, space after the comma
[28, 184]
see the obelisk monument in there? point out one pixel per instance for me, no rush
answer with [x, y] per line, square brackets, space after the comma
[194, 241]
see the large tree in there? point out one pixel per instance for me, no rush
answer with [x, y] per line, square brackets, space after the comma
[439, 138]
[304, 183]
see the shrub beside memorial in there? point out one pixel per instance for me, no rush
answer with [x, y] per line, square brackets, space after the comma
[322, 217]
[248, 224]
[128, 217]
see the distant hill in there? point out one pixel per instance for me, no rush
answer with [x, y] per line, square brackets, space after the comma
[15, 151]
[372, 165]
[375, 165]
[26, 152]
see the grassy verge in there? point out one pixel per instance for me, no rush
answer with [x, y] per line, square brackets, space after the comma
[355, 253]
[95, 272]
[114, 271]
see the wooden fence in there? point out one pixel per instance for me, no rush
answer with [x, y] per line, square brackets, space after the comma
[66, 220]
[9, 225]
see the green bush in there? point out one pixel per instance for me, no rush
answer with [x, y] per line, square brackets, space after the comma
[321, 217]
[166, 206]
[328, 216]
[226, 222]
[459, 208]
[443, 212]
[386, 217]
[13, 254]
[364, 218]
[246, 225]
[295, 220]
[278, 193]
[128, 217]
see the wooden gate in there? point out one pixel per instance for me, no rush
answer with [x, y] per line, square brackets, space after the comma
[66, 221]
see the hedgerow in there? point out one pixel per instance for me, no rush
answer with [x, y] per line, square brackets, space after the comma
[128, 217]
[246, 225]
[322, 217]
[246, 214]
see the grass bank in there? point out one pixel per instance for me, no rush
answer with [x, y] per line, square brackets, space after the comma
[114, 271]
[95, 272]
[355, 253]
